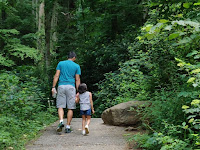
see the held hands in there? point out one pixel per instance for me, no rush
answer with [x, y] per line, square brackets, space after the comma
[77, 98]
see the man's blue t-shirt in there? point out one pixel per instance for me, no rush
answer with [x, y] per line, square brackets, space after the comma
[68, 70]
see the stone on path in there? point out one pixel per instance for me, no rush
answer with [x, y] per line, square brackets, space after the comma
[101, 137]
[120, 115]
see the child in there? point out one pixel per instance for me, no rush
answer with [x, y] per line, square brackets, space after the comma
[86, 106]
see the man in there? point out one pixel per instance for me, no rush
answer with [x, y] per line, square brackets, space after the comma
[68, 73]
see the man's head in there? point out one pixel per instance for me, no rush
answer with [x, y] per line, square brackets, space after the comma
[72, 56]
[82, 88]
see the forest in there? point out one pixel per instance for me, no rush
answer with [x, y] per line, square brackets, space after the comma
[127, 50]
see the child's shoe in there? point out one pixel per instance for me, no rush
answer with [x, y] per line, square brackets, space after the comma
[86, 129]
[83, 132]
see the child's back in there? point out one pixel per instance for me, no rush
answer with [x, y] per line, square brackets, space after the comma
[85, 101]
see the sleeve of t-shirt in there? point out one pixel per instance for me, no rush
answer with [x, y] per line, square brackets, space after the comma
[58, 66]
[78, 70]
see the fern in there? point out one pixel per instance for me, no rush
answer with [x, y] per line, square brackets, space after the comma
[4, 61]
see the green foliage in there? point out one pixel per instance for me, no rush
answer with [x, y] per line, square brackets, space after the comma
[171, 32]
[161, 142]
[13, 51]
[100, 32]
[22, 114]
[193, 118]
[17, 37]
[127, 84]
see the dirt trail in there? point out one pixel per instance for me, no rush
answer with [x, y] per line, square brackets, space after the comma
[101, 137]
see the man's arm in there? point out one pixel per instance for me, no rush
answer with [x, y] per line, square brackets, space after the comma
[78, 80]
[55, 79]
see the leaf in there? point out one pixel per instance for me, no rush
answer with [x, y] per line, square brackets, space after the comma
[187, 22]
[195, 71]
[194, 84]
[173, 35]
[163, 21]
[147, 27]
[196, 4]
[179, 60]
[191, 80]
[168, 28]
[180, 64]
[149, 36]
[183, 41]
[186, 5]
[153, 4]
[184, 123]
[192, 53]
[197, 57]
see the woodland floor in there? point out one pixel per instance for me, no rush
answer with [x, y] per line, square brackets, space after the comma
[101, 137]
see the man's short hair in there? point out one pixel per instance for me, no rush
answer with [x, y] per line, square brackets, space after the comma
[82, 88]
[72, 54]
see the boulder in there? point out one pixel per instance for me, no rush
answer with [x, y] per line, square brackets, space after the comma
[124, 114]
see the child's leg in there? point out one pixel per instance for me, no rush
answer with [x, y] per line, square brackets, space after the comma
[88, 120]
[83, 122]
[87, 124]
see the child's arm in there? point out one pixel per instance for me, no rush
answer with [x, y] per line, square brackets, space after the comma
[91, 102]
[77, 98]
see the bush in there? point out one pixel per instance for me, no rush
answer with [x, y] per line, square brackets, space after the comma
[127, 84]
[22, 113]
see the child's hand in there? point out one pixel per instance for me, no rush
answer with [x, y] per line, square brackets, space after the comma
[93, 111]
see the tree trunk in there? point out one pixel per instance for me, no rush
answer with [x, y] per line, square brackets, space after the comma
[54, 22]
[48, 15]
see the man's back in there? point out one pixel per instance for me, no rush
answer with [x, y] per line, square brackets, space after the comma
[68, 70]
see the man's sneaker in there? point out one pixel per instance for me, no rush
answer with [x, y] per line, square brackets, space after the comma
[60, 126]
[68, 130]
[86, 129]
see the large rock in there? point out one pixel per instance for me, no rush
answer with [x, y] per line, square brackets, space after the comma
[123, 114]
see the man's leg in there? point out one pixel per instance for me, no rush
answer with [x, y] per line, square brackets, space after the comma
[61, 103]
[70, 93]
[60, 113]
[69, 116]
[69, 119]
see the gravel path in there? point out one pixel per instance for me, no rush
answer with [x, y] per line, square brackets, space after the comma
[101, 137]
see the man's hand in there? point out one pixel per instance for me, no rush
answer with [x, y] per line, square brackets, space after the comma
[52, 90]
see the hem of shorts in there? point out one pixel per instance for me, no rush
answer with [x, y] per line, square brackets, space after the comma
[66, 107]
[71, 108]
[60, 107]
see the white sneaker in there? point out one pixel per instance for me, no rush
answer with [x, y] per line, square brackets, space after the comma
[87, 129]
[83, 132]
